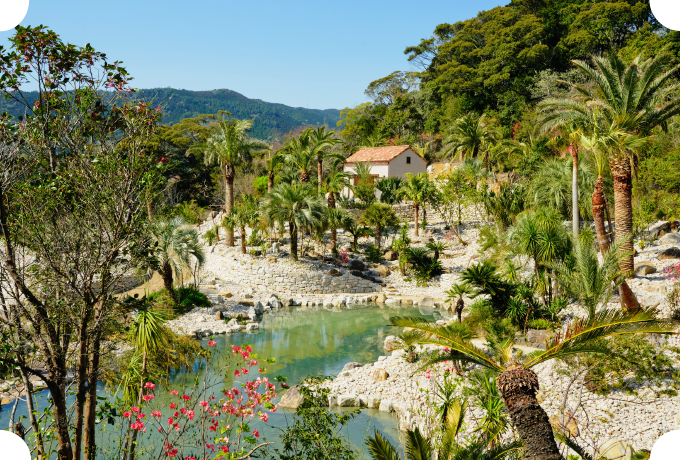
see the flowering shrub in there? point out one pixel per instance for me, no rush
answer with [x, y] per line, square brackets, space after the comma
[343, 256]
[207, 422]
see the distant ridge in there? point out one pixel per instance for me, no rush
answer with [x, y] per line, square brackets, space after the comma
[271, 120]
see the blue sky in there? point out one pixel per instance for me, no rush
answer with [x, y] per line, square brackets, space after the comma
[300, 53]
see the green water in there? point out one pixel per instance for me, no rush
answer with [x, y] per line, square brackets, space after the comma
[306, 341]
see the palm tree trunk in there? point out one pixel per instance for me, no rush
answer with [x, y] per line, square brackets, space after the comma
[415, 207]
[293, 241]
[518, 386]
[149, 206]
[319, 172]
[575, 225]
[334, 231]
[270, 181]
[229, 201]
[304, 176]
[378, 236]
[628, 299]
[460, 305]
[623, 210]
[243, 240]
[167, 279]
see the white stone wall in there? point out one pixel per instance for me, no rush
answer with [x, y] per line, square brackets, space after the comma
[285, 277]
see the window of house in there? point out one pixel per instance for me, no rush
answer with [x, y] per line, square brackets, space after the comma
[408, 160]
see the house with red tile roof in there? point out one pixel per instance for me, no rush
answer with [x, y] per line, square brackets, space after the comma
[391, 161]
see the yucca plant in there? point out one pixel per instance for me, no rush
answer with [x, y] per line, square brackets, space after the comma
[517, 382]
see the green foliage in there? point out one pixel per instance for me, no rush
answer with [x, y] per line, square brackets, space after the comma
[540, 323]
[505, 205]
[373, 253]
[260, 184]
[389, 188]
[189, 211]
[423, 265]
[379, 216]
[212, 235]
[316, 433]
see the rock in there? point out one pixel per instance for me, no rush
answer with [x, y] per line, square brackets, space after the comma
[272, 260]
[538, 336]
[670, 238]
[276, 248]
[355, 264]
[660, 231]
[380, 298]
[391, 255]
[373, 401]
[234, 329]
[644, 268]
[332, 400]
[252, 327]
[232, 322]
[540, 396]
[350, 366]
[407, 301]
[291, 399]
[334, 272]
[247, 303]
[275, 303]
[392, 301]
[380, 375]
[215, 299]
[356, 273]
[615, 449]
[252, 314]
[347, 400]
[670, 253]
[383, 270]
[362, 400]
[225, 294]
[259, 308]
[390, 343]
[571, 427]
[426, 302]
[385, 406]
[218, 316]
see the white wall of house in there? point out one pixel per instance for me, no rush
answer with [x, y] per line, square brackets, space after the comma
[399, 167]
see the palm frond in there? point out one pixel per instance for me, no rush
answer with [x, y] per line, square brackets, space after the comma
[418, 446]
[381, 449]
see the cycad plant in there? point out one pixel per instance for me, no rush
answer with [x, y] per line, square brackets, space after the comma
[297, 205]
[175, 247]
[354, 228]
[437, 247]
[421, 447]
[389, 189]
[516, 380]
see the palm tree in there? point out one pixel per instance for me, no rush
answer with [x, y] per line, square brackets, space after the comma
[437, 247]
[334, 184]
[299, 154]
[335, 219]
[471, 134]
[517, 382]
[389, 189]
[297, 205]
[228, 146]
[417, 189]
[243, 215]
[351, 226]
[320, 141]
[459, 291]
[637, 97]
[176, 247]
[272, 161]
[604, 138]
[380, 216]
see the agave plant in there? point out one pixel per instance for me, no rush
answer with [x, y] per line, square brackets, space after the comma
[516, 380]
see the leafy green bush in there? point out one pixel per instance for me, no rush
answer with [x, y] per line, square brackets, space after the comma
[540, 323]
[260, 184]
[190, 211]
[373, 254]
[189, 297]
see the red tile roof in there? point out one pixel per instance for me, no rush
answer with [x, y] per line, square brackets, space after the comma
[376, 154]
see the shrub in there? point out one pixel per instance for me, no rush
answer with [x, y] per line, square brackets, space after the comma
[373, 254]
[189, 297]
[260, 184]
[189, 211]
[540, 323]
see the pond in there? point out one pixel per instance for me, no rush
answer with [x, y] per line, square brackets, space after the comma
[311, 341]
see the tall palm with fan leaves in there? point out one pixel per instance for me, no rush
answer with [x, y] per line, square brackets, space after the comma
[471, 134]
[228, 146]
[516, 380]
[637, 97]
[321, 141]
[272, 161]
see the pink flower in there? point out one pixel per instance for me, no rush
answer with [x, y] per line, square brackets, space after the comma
[256, 433]
[148, 398]
[174, 392]
[172, 405]
[212, 343]
[186, 397]
[126, 414]
[135, 409]
[150, 385]
[237, 373]
[264, 417]
[203, 403]
[156, 413]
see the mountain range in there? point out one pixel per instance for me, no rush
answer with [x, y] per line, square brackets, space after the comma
[271, 120]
